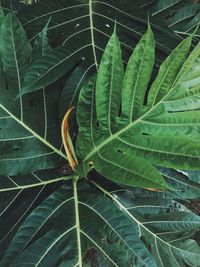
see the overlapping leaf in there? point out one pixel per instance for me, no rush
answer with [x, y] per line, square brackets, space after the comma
[182, 16]
[126, 234]
[29, 130]
[124, 137]
[83, 27]
[165, 226]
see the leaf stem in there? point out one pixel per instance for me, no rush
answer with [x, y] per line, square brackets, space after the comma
[78, 234]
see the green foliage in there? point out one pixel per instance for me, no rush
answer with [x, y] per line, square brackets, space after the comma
[48, 215]
[27, 144]
[131, 141]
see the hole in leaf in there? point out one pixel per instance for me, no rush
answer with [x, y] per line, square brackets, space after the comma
[107, 25]
[145, 134]
[120, 151]
[77, 25]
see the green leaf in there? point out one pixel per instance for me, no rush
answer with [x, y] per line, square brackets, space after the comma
[15, 50]
[20, 195]
[109, 84]
[193, 176]
[191, 246]
[61, 236]
[71, 89]
[15, 5]
[41, 45]
[125, 148]
[119, 232]
[183, 187]
[138, 74]
[181, 16]
[46, 223]
[185, 183]
[167, 246]
[89, 26]
[47, 69]
[26, 142]
[166, 78]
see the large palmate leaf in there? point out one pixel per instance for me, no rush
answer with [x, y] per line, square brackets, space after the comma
[29, 129]
[122, 136]
[126, 231]
[83, 27]
[44, 219]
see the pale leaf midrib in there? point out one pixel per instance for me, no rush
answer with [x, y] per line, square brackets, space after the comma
[22, 187]
[113, 229]
[77, 222]
[109, 6]
[53, 12]
[115, 135]
[54, 243]
[92, 33]
[166, 7]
